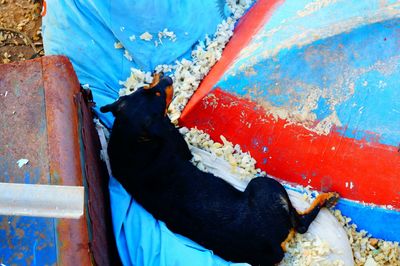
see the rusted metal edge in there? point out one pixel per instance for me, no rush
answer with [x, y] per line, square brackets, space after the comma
[41, 200]
[60, 86]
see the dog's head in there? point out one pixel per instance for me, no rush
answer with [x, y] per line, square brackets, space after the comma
[139, 120]
[148, 100]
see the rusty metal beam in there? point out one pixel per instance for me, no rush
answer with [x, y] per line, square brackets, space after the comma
[41, 200]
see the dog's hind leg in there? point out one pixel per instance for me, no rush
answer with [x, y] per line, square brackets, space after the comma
[288, 238]
[323, 200]
[305, 218]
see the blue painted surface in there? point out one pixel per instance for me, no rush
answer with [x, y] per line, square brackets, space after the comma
[300, 22]
[27, 241]
[358, 70]
[345, 52]
[379, 222]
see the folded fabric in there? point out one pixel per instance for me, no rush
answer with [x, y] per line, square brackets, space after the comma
[86, 32]
[143, 240]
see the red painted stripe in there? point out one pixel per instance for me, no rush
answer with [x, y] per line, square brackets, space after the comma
[297, 155]
[246, 28]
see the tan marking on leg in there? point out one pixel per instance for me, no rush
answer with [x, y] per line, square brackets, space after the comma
[320, 200]
[288, 238]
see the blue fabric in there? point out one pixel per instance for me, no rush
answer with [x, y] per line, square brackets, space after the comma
[143, 240]
[86, 31]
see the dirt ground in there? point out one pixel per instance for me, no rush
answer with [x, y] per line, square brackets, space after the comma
[20, 30]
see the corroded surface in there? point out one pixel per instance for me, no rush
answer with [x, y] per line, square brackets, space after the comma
[44, 119]
[23, 134]
[22, 100]
[61, 85]
[102, 241]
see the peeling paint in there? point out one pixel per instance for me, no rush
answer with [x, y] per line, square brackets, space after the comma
[314, 7]
[301, 105]
[210, 101]
[303, 36]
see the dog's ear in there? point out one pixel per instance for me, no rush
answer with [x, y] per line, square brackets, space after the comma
[163, 83]
[114, 107]
[156, 79]
[107, 108]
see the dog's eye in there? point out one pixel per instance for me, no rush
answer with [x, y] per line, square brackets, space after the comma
[144, 139]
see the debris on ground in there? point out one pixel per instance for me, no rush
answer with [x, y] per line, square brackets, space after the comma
[366, 249]
[118, 45]
[166, 34]
[146, 36]
[305, 249]
[241, 162]
[20, 30]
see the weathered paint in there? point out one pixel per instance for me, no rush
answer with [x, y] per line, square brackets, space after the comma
[27, 241]
[296, 154]
[338, 82]
[293, 25]
[24, 240]
[314, 97]
[40, 122]
[95, 174]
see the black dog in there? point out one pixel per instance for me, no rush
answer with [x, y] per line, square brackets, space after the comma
[150, 158]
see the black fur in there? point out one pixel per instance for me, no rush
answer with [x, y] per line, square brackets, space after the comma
[150, 158]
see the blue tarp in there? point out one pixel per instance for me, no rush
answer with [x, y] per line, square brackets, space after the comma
[86, 31]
